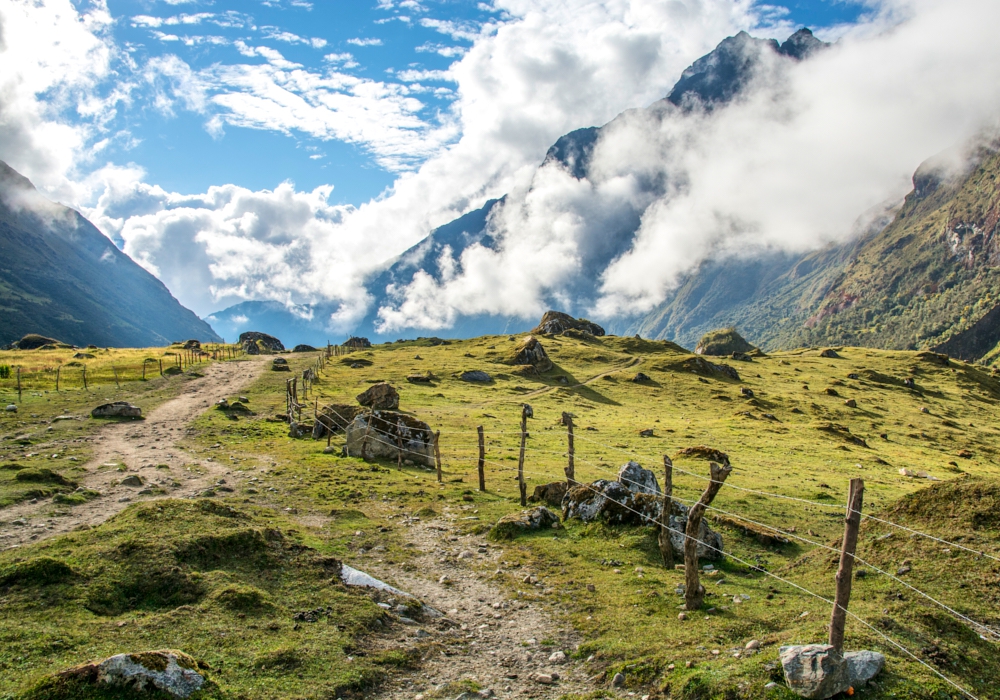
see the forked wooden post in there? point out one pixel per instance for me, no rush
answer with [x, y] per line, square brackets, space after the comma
[437, 453]
[845, 574]
[694, 592]
[481, 465]
[663, 537]
[567, 420]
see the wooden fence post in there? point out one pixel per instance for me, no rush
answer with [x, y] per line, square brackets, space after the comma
[18, 382]
[58, 370]
[482, 459]
[663, 537]
[526, 413]
[399, 444]
[694, 592]
[116, 376]
[85, 376]
[437, 453]
[161, 367]
[567, 420]
[845, 573]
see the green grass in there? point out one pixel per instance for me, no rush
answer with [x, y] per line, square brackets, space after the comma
[791, 438]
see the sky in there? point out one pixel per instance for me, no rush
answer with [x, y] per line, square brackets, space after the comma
[285, 150]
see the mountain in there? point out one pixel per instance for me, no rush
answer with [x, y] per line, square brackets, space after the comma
[710, 82]
[61, 277]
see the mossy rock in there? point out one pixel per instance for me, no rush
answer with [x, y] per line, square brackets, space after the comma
[77, 498]
[43, 476]
[724, 341]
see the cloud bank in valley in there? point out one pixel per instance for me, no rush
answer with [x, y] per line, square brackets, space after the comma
[790, 166]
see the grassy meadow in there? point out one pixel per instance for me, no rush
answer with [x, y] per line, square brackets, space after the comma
[222, 578]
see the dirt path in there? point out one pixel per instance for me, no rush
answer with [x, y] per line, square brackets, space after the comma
[502, 644]
[148, 449]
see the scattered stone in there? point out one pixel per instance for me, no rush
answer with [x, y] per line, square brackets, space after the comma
[723, 342]
[557, 657]
[705, 452]
[851, 403]
[965, 454]
[862, 666]
[334, 418]
[682, 616]
[514, 524]
[831, 391]
[11, 408]
[551, 494]
[83, 356]
[302, 347]
[638, 480]
[167, 670]
[132, 480]
[280, 364]
[357, 343]
[381, 439]
[254, 343]
[647, 432]
[380, 397]
[420, 378]
[546, 678]
[117, 409]
[746, 392]
[640, 378]
[476, 376]
[618, 680]
[752, 645]
[829, 353]
[530, 353]
[815, 671]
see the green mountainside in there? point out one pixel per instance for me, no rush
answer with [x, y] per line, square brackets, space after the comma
[61, 277]
[928, 279]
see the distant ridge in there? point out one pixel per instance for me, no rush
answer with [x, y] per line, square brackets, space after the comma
[61, 277]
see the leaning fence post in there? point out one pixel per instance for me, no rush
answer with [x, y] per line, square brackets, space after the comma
[694, 592]
[845, 573]
[58, 370]
[85, 376]
[437, 453]
[567, 420]
[482, 459]
[116, 376]
[18, 382]
[663, 537]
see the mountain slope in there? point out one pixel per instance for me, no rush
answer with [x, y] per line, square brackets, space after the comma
[61, 277]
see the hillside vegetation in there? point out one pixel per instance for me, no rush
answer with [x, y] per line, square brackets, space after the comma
[223, 577]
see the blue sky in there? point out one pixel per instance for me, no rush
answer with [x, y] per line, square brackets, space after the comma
[376, 41]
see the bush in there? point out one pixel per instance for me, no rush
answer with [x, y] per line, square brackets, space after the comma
[4, 371]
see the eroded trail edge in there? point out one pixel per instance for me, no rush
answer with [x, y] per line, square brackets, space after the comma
[148, 449]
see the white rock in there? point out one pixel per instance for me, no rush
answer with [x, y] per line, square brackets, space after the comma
[557, 657]
[178, 677]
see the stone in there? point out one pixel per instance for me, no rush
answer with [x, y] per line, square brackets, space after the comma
[357, 343]
[814, 671]
[117, 409]
[334, 418]
[302, 347]
[11, 408]
[555, 322]
[167, 670]
[752, 645]
[513, 524]
[83, 356]
[546, 678]
[647, 432]
[557, 657]
[829, 353]
[280, 364]
[851, 403]
[638, 480]
[380, 439]
[862, 666]
[551, 494]
[380, 397]
[618, 680]
[420, 378]
[132, 480]
[254, 343]
[724, 341]
[747, 392]
[530, 353]
[476, 376]
[640, 378]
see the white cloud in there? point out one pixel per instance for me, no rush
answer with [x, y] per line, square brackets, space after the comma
[290, 38]
[357, 41]
[442, 50]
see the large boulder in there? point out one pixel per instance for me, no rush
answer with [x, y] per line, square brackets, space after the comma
[117, 409]
[167, 670]
[357, 343]
[476, 375]
[531, 353]
[555, 322]
[613, 502]
[302, 347]
[514, 524]
[33, 341]
[815, 671]
[721, 342]
[334, 418]
[380, 397]
[862, 666]
[379, 433]
[638, 480]
[255, 343]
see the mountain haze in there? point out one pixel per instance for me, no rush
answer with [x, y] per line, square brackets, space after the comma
[61, 277]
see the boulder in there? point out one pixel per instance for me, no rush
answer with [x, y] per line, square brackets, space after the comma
[10, 408]
[530, 353]
[613, 503]
[357, 343]
[862, 666]
[254, 343]
[302, 347]
[699, 365]
[83, 356]
[815, 671]
[380, 439]
[132, 480]
[280, 364]
[638, 480]
[380, 397]
[334, 418]
[192, 344]
[167, 670]
[514, 524]
[117, 409]
[705, 452]
[722, 342]
[33, 341]
[555, 322]
[420, 378]
[551, 494]
[476, 376]
[640, 378]
[829, 353]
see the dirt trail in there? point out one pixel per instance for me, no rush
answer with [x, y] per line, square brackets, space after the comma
[142, 447]
[485, 636]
